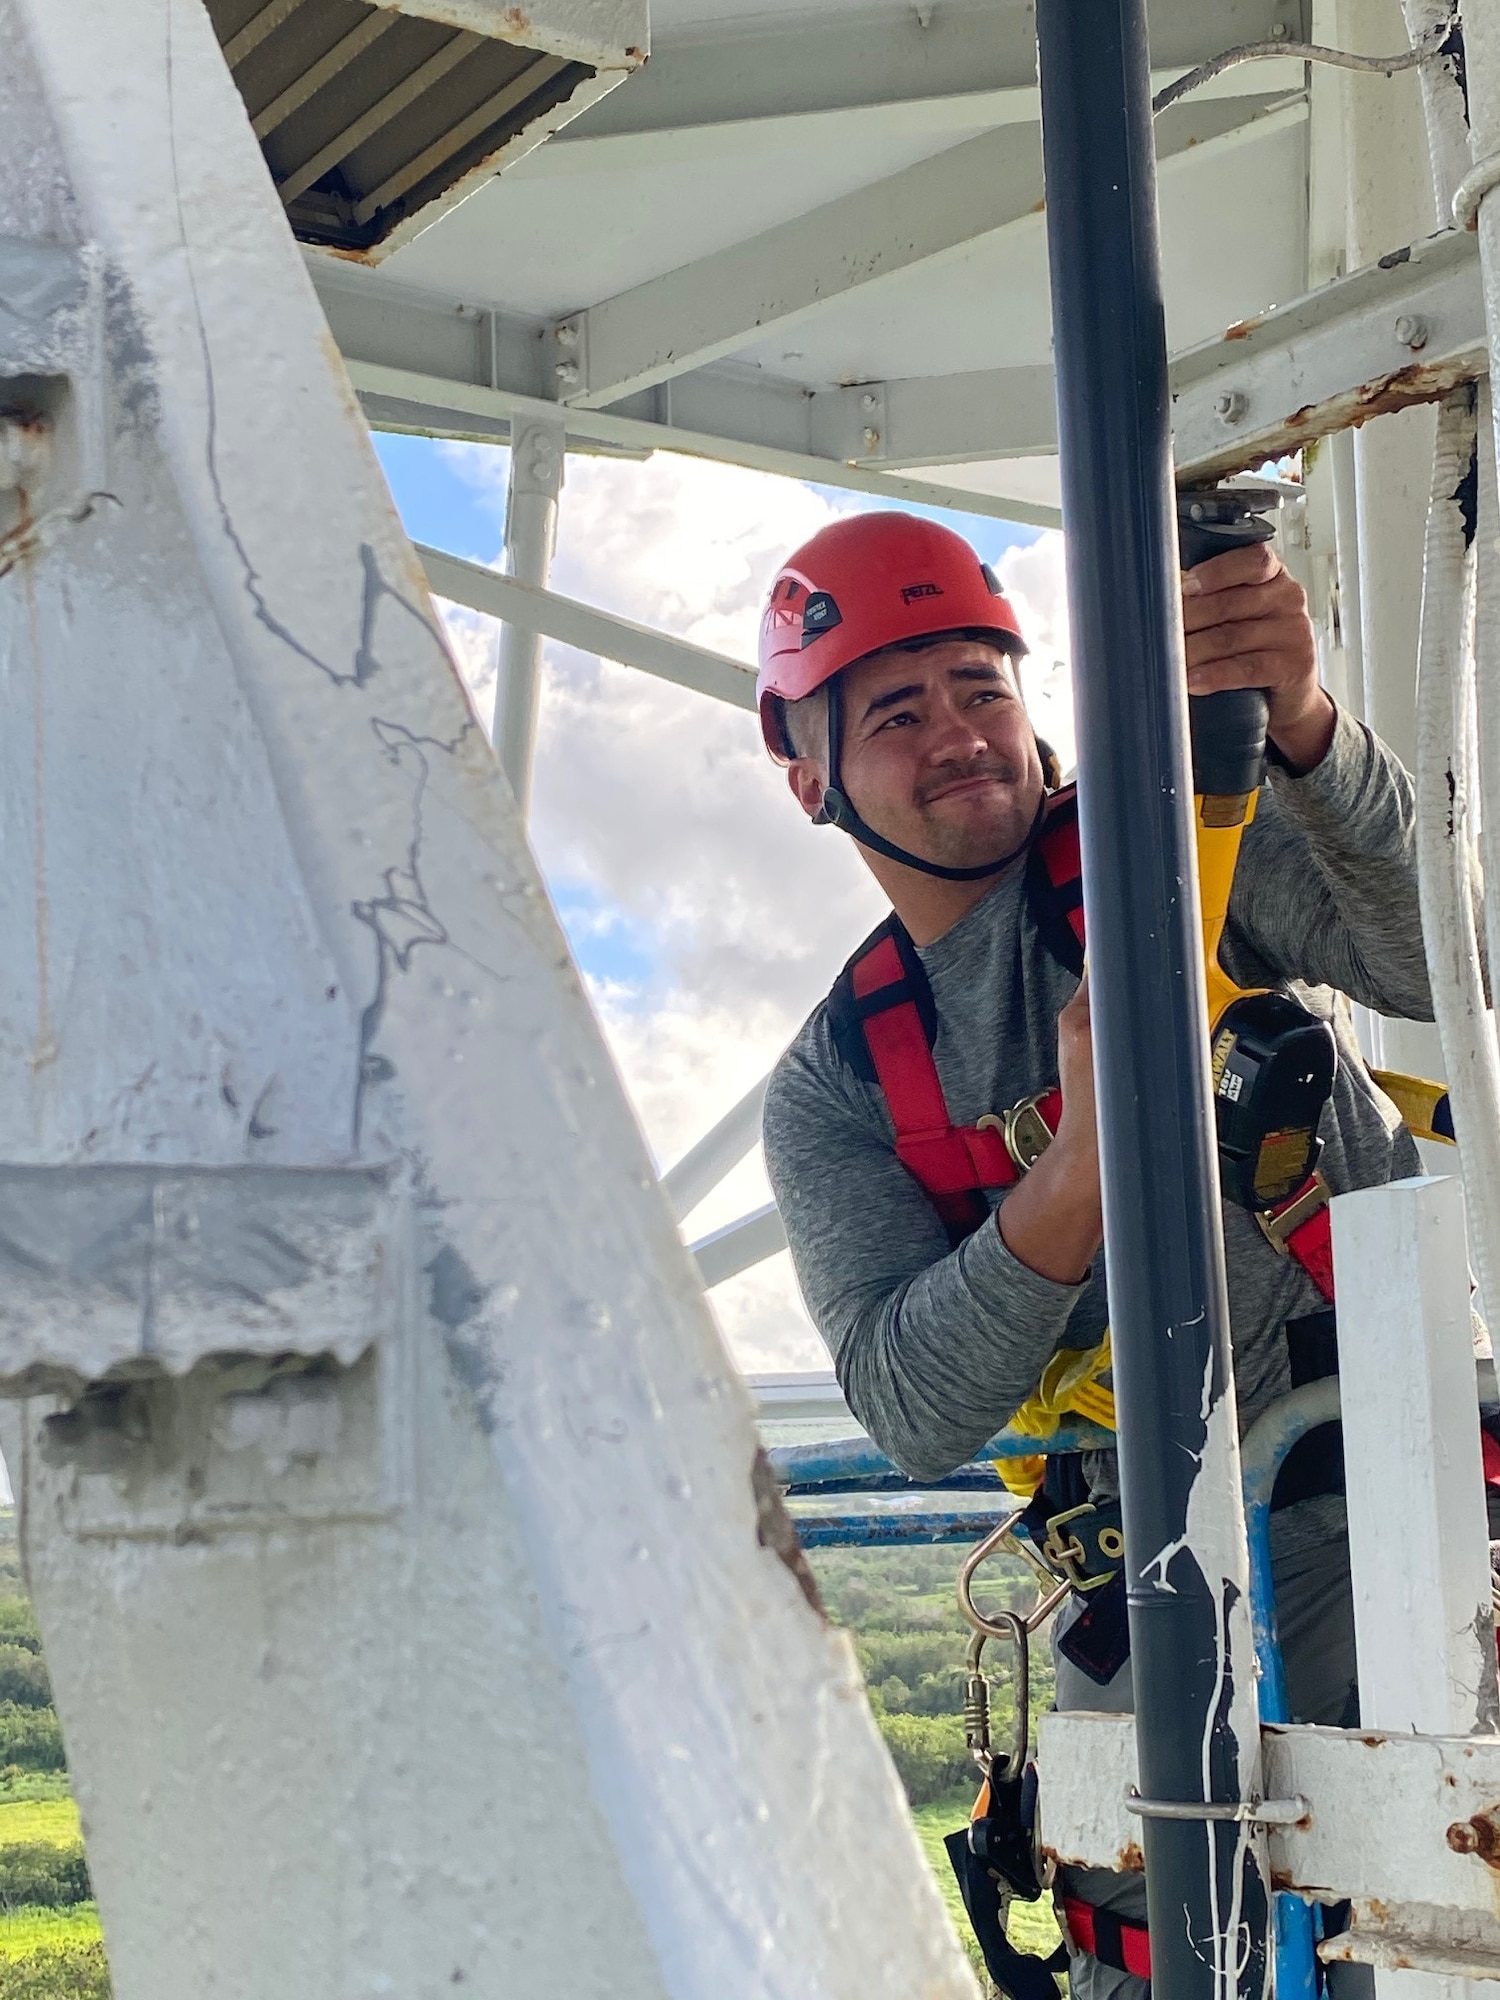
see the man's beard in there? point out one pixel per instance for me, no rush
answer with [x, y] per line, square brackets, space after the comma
[1002, 829]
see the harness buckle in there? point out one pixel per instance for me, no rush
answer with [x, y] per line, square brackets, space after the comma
[1282, 1223]
[1068, 1556]
[1026, 1133]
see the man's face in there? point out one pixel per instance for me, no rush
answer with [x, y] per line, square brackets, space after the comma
[938, 753]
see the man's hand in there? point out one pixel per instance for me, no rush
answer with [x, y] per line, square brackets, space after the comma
[1053, 1221]
[1246, 625]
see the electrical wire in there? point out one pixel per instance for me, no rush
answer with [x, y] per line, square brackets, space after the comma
[1423, 51]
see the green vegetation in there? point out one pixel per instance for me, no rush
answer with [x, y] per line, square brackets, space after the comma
[50, 1943]
[911, 1640]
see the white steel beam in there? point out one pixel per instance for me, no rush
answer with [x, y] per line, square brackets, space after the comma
[940, 206]
[1328, 360]
[1423, 1623]
[1418, 1545]
[530, 609]
[388, 1499]
[967, 54]
[1399, 332]
[397, 399]
[725, 1252]
[537, 455]
[717, 1153]
[1406, 1826]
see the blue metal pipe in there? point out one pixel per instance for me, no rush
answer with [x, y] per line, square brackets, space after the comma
[889, 1529]
[1262, 1456]
[852, 1465]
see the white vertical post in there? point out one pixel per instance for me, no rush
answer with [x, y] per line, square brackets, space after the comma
[537, 452]
[1418, 1544]
[1388, 202]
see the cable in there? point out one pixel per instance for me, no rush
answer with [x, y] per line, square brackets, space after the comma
[1431, 45]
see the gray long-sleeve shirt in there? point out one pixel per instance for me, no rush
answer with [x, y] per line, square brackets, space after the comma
[937, 1348]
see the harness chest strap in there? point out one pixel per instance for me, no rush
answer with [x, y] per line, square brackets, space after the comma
[1115, 1941]
[955, 1163]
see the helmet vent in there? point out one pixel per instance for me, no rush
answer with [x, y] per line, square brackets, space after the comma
[819, 615]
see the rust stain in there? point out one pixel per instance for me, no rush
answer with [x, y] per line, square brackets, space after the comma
[1478, 1835]
[1403, 389]
[1131, 1859]
[515, 21]
[1243, 328]
[349, 256]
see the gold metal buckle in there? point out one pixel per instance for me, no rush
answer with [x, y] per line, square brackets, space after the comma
[1026, 1133]
[1068, 1556]
[1278, 1227]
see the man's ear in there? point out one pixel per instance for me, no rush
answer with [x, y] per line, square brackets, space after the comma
[806, 782]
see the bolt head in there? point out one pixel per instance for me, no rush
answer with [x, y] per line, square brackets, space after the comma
[867, 400]
[566, 334]
[1463, 1838]
[25, 444]
[1411, 331]
[1230, 407]
[567, 374]
[872, 438]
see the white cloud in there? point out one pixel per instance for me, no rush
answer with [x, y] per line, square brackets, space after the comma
[664, 806]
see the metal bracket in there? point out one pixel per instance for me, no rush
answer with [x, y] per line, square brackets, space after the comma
[1240, 1812]
[565, 375]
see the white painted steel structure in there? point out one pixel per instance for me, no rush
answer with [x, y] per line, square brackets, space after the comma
[394, 1522]
[409, 1496]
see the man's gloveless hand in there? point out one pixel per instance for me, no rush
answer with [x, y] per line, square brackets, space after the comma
[1052, 1221]
[1245, 624]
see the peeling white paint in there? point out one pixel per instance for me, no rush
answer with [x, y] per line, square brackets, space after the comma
[382, 1707]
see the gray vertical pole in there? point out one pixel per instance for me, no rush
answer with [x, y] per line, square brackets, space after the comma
[1187, 1571]
[537, 452]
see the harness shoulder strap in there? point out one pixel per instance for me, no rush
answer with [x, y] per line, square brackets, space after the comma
[1054, 881]
[884, 1024]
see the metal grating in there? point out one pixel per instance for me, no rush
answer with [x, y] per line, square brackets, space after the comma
[366, 115]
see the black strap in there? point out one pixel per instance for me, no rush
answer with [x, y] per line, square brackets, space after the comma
[1021, 1975]
[848, 1012]
[1052, 898]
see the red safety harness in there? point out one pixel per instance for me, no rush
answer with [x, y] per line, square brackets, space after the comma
[1114, 1941]
[885, 1024]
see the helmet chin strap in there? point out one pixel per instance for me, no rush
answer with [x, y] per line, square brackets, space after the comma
[838, 810]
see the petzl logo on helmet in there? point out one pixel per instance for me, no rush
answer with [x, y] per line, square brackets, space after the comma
[913, 591]
[819, 615]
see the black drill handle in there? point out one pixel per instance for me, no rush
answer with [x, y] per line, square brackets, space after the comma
[1228, 729]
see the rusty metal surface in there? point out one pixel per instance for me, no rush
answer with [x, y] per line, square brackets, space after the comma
[1402, 331]
[1407, 1826]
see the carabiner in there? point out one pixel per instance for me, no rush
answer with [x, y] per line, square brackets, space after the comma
[977, 1700]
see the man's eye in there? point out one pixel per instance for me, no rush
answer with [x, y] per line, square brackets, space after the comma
[902, 715]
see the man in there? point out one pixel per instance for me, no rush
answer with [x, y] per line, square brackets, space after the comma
[890, 688]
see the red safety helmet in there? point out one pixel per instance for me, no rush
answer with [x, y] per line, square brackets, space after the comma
[863, 583]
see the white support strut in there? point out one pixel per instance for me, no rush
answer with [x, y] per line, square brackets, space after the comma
[527, 608]
[1424, 1629]
[537, 456]
[716, 1154]
[390, 1505]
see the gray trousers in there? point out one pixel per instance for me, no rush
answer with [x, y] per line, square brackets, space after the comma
[1315, 1616]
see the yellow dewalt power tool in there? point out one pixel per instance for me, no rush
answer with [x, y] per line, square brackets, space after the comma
[1274, 1063]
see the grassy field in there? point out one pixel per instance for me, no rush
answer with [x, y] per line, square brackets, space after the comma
[1032, 1925]
[54, 1821]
